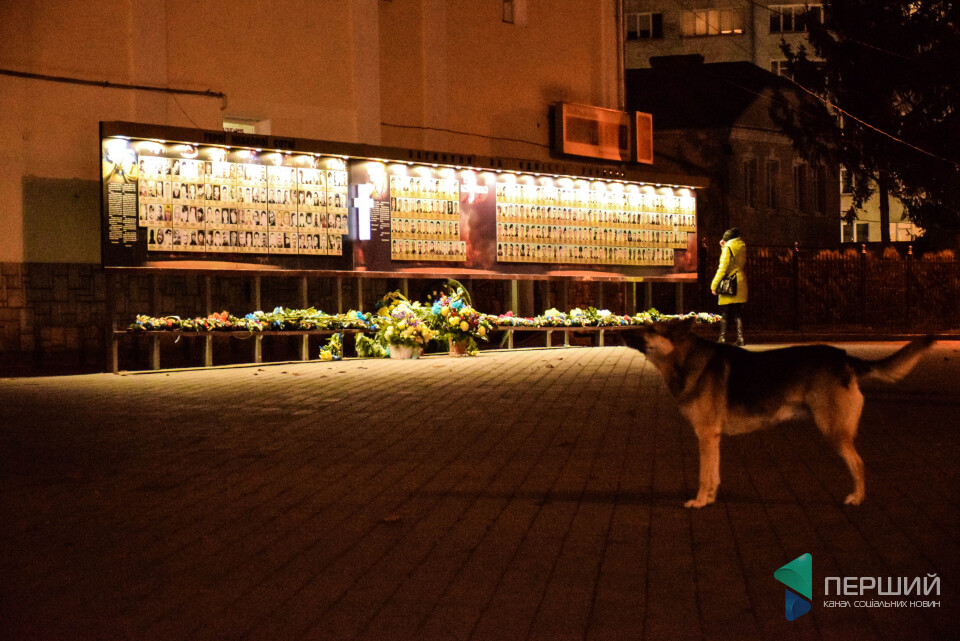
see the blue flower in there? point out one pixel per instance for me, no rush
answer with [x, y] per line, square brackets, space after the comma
[250, 317]
[457, 304]
[436, 308]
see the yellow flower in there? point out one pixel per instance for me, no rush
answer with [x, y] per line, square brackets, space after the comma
[445, 311]
[453, 321]
[464, 326]
[402, 324]
[326, 356]
[482, 330]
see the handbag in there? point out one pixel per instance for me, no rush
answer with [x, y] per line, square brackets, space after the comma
[728, 285]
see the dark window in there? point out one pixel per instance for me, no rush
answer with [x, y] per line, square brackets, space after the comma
[773, 183]
[800, 187]
[750, 181]
[793, 18]
[821, 189]
[642, 26]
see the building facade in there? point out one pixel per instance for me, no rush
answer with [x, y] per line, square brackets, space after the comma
[718, 30]
[468, 78]
[714, 119]
[742, 31]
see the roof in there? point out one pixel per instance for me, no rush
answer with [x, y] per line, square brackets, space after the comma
[683, 92]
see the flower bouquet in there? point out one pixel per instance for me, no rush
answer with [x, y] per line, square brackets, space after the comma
[333, 350]
[455, 319]
[404, 330]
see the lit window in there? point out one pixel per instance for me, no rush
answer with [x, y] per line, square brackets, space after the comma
[237, 125]
[641, 26]
[792, 18]
[712, 22]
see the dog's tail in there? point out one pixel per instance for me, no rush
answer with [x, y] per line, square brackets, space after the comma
[894, 367]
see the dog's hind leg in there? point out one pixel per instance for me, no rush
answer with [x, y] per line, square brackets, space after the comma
[855, 465]
[708, 438]
[837, 414]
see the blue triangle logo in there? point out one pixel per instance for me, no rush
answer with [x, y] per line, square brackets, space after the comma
[794, 606]
[798, 576]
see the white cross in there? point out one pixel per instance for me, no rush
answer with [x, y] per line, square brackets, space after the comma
[363, 203]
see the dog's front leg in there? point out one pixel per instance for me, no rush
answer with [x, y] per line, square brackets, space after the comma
[709, 442]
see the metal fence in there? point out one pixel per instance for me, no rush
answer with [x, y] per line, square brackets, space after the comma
[852, 289]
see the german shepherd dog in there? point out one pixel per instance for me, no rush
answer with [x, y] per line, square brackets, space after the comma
[723, 389]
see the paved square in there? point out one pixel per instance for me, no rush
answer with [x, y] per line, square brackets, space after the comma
[517, 495]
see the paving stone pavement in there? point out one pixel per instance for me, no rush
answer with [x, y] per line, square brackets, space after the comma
[517, 495]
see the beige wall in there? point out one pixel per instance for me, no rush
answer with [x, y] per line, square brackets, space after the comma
[308, 68]
[323, 69]
[328, 69]
[457, 66]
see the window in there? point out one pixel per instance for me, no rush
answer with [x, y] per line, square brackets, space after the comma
[712, 22]
[639, 25]
[509, 11]
[800, 186]
[514, 12]
[846, 232]
[856, 233]
[750, 182]
[821, 177]
[793, 18]
[779, 68]
[846, 181]
[773, 183]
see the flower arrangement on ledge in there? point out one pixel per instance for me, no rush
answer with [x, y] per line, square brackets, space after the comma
[405, 324]
[213, 322]
[401, 328]
[305, 319]
[279, 319]
[333, 350]
[453, 317]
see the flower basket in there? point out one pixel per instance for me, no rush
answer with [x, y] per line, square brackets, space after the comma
[452, 317]
[404, 351]
[458, 346]
[403, 329]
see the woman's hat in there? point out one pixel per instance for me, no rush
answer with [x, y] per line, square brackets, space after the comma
[730, 234]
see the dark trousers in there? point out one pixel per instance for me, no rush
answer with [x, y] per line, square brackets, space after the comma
[732, 313]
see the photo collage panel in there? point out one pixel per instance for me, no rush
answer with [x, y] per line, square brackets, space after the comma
[221, 207]
[425, 219]
[543, 224]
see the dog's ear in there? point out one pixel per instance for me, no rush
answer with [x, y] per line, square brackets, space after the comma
[635, 339]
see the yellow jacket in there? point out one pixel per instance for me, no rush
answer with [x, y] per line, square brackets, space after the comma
[733, 259]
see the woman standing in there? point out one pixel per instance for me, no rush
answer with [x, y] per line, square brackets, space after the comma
[733, 259]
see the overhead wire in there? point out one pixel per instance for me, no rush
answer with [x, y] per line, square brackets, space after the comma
[826, 102]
